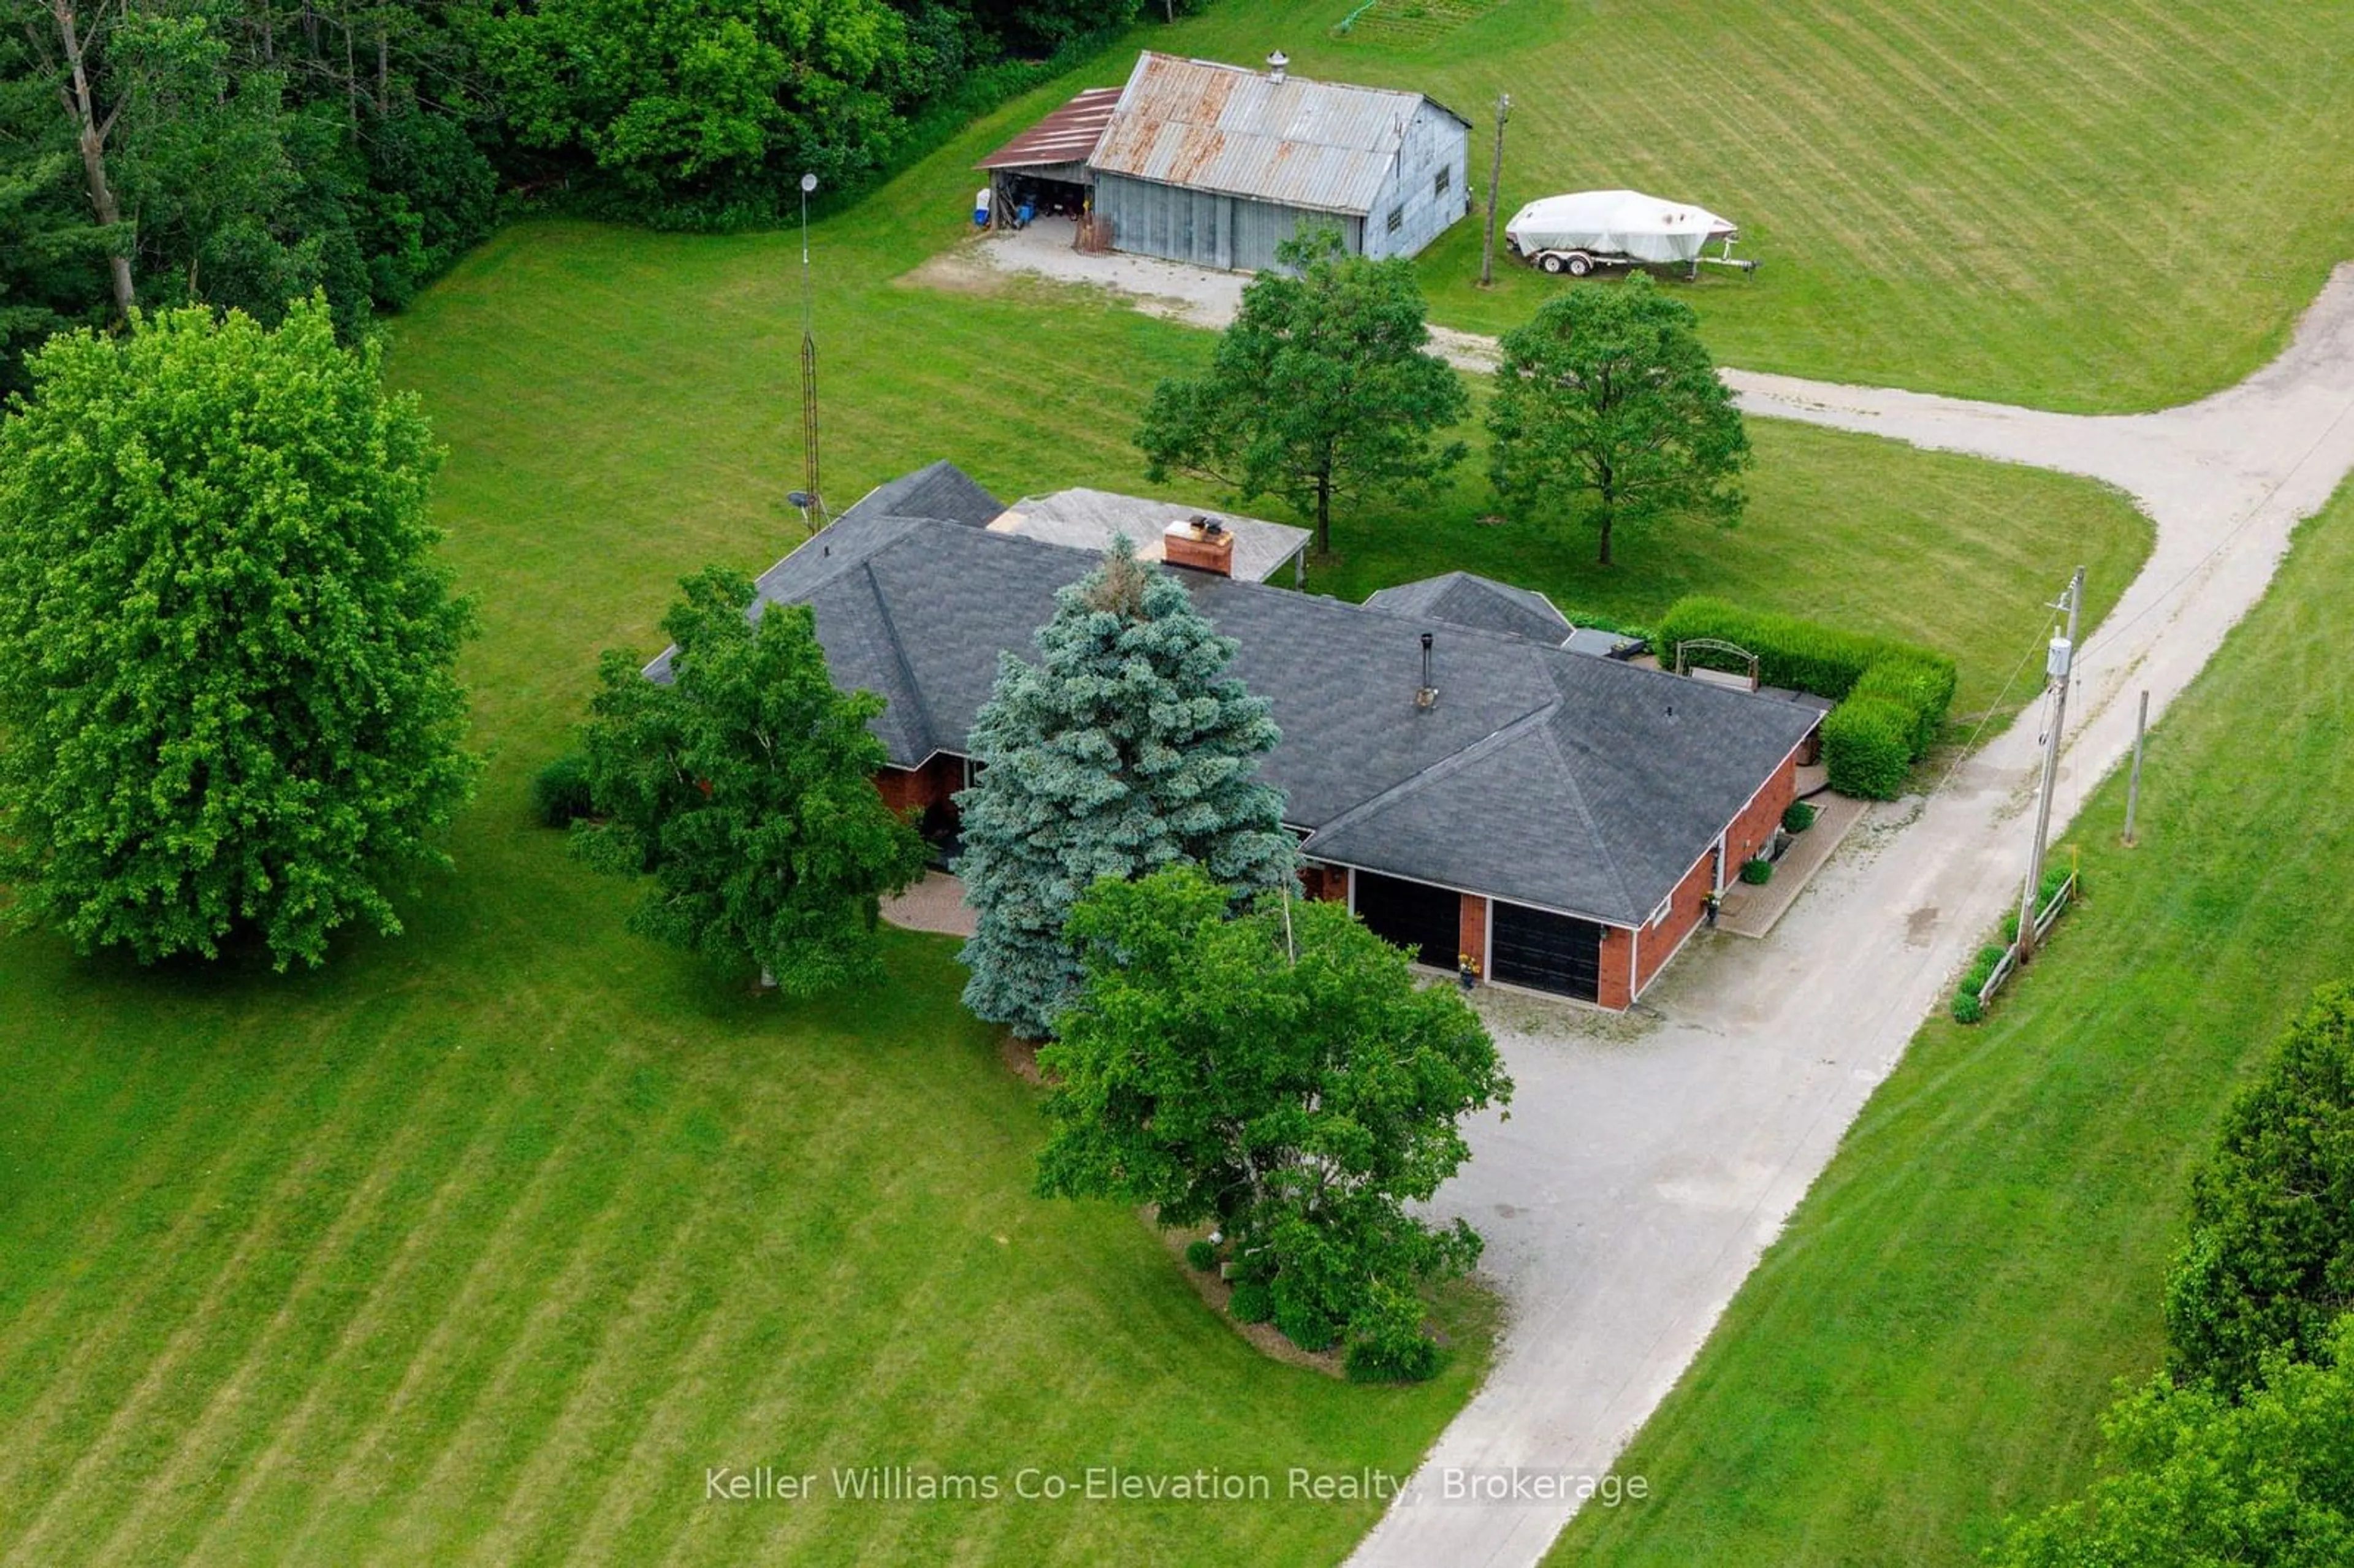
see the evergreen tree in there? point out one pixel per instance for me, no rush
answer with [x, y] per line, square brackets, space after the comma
[2270, 1261]
[1125, 749]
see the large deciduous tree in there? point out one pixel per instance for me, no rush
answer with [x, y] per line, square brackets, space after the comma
[1126, 747]
[745, 785]
[1608, 405]
[2192, 1480]
[1281, 1075]
[227, 698]
[708, 104]
[1322, 389]
[2269, 1265]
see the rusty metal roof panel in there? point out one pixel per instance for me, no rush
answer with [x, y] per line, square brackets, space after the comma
[1066, 136]
[1314, 145]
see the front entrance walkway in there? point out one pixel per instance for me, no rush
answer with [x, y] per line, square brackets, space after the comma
[1749, 911]
[935, 903]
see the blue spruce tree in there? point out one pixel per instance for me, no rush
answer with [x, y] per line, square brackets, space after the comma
[1124, 749]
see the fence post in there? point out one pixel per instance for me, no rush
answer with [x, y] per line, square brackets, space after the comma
[2133, 790]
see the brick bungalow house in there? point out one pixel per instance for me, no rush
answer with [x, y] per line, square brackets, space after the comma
[1467, 782]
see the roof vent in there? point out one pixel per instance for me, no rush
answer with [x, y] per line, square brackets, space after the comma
[1428, 695]
[1276, 63]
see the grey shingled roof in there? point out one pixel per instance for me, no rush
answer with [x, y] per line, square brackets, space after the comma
[938, 489]
[1460, 599]
[1540, 776]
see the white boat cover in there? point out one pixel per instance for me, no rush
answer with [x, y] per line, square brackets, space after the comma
[1615, 223]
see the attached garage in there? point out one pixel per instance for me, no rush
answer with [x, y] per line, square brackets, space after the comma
[1543, 951]
[1411, 914]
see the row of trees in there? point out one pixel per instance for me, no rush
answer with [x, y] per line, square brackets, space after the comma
[2242, 1450]
[245, 153]
[1324, 389]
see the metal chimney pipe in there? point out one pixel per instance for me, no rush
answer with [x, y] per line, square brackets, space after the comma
[1276, 63]
[1428, 694]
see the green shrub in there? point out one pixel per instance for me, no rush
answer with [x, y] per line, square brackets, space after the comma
[1968, 1008]
[1868, 747]
[1924, 688]
[559, 792]
[1587, 622]
[1797, 817]
[1757, 873]
[1202, 1254]
[1251, 1302]
[1392, 1359]
[1305, 1326]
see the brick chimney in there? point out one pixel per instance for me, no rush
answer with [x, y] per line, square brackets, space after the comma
[1200, 542]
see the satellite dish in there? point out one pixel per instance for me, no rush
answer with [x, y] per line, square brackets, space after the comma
[809, 183]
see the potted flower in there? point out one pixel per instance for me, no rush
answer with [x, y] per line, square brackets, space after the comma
[1467, 969]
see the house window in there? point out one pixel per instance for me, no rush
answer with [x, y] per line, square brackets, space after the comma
[1397, 218]
[1439, 181]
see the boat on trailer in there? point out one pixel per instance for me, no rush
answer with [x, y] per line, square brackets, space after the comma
[1577, 233]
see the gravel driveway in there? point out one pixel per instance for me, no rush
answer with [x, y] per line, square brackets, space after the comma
[1649, 1162]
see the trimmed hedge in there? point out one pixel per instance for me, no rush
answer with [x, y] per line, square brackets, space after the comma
[1802, 654]
[1757, 872]
[1201, 1253]
[1899, 693]
[1868, 747]
[1919, 685]
[1797, 817]
[1584, 621]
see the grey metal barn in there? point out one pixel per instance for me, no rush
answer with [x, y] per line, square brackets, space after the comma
[1217, 164]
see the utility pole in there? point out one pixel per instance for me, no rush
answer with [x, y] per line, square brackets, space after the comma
[2058, 667]
[809, 360]
[1495, 179]
[2133, 790]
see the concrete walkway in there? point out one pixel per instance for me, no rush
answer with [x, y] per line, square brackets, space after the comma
[1750, 911]
[1638, 1180]
[935, 903]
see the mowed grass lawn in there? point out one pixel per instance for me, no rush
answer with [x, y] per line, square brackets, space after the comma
[2079, 206]
[595, 381]
[484, 1243]
[487, 1242]
[1928, 1346]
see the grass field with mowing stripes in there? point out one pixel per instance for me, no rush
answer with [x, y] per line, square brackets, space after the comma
[2085, 208]
[1931, 1341]
[485, 1243]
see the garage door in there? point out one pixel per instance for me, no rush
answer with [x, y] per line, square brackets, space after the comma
[1545, 951]
[1412, 915]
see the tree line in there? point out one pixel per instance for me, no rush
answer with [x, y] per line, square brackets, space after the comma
[2241, 1449]
[245, 152]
